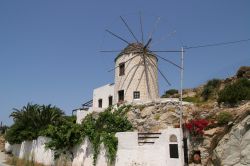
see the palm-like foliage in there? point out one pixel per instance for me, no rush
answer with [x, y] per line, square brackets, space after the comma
[28, 115]
[31, 120]
[50, 115]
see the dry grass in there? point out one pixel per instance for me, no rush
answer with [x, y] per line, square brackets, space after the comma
[21, 162]
[157, 116]
[2, 142]
[171, 109]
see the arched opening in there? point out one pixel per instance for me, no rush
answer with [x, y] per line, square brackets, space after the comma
[172, 138]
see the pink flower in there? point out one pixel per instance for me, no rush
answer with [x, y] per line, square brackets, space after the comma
[197, 126]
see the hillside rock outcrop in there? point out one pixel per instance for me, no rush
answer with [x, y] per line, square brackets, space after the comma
[158, 115]
[234, 147]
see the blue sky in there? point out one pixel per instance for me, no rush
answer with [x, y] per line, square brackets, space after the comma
[49, 50]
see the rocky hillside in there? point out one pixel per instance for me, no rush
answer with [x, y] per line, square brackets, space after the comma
[234, 147]
[210, 90]
[225, 140]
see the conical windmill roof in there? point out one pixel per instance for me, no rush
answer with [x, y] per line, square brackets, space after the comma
[134, 48]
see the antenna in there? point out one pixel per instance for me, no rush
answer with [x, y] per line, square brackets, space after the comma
[181, 90]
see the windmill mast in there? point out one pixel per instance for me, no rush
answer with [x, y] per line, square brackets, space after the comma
[181, 90]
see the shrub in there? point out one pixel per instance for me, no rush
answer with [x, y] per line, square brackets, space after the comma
[193, 99]
[103, 128]
[98, 129]
[236, 92]
[196, 127]
[170, 92]
[63, 136]
[206, 93]
[214, 83]
[224, 117]
[210, 89]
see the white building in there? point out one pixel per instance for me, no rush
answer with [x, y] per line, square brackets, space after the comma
[103, 97]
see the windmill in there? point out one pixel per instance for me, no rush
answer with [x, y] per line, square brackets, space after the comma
[136, 68]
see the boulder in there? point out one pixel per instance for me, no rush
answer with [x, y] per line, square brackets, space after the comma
[212, 131]
[147, 111]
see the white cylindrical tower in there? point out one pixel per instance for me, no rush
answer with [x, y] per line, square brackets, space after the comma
[136, 75]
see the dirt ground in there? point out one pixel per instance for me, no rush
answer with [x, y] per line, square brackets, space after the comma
[3, 156]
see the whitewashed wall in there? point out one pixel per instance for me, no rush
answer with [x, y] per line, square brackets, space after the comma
[33, 150]
[129, 152]
[103, 93]
[83, 155]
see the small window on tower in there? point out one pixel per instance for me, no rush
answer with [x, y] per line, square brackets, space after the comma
[121, 69]
[136, 94]
[100, 103]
